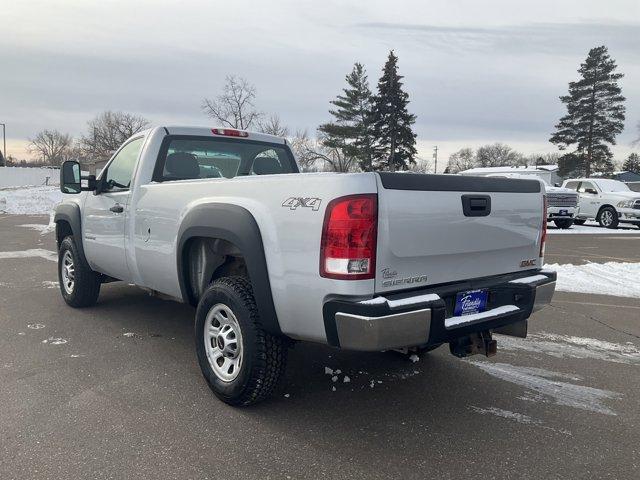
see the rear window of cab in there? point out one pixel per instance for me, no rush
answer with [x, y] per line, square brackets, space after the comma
[195, 157]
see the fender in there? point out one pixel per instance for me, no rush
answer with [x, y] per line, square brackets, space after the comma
[70, 212]
[237, 225]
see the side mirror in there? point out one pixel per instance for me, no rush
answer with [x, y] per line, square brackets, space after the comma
[591, 191]
[71, 178]
[557, 184]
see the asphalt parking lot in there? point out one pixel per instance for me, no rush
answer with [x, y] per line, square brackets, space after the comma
[114, 391]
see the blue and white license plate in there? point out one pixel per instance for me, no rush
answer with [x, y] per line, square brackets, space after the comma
[473, 301]
[563, 212]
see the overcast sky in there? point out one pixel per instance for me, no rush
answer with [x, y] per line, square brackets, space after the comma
[476, 72]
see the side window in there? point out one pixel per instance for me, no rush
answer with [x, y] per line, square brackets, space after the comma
[586, 187]
[572, 185]
[120, 170]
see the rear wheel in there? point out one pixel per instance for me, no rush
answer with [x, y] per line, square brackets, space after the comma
[608, 217]
[79, 285]
[563, 223]
[579, 221]
[240, 361]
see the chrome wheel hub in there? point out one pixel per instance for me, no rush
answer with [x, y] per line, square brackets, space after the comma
[68, 272]
[223, 342]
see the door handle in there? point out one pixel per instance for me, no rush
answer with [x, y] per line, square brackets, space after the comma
[117, 208]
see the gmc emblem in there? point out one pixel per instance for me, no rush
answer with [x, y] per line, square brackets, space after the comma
[528, 263]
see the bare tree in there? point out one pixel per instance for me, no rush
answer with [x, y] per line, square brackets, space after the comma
[273, 126]
[462, 160]
[422, 165]
[498, 155]
[51, 146]
[108, 131]
[311, 153]
[234, 108]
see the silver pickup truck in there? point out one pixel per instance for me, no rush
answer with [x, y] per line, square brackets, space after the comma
[222, 219]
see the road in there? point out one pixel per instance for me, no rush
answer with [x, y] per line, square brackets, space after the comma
[114, 391]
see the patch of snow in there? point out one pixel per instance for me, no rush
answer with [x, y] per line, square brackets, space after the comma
[414, 358]
[33, 252]
[55, 341]
[39, 227]
[532, 279]
[129, 334]
[612, 278]
[475, 317]
[346, 379]
[29, 200]
[334, 378]
[402, 302]
[566, 346]
[499, 412]
[328, 371]
[35, 326]
[49, 284]
[338, 372]
[593, 228]
[374, 301]
[286, 395]
[544, 382]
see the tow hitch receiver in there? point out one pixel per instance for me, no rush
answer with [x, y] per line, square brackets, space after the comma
[476, 343]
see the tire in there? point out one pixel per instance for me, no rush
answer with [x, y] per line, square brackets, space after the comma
[248, 372]
[608, 217]
[579, 221]
[79, 285]
[564, 223]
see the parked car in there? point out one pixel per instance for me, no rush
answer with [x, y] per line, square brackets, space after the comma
[609, 202]
[562, 203]
[222, 219]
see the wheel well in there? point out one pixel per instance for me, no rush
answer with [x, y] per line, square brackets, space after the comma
[206, 259]
[63, 229]
[603, 207]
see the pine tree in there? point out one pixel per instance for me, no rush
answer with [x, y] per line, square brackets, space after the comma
[352, 131]
[395, 142]
[595, 112]
[632, 163]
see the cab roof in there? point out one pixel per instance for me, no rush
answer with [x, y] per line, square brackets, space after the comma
[221, 132]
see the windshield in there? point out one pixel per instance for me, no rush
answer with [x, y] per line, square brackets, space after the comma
[612, 186]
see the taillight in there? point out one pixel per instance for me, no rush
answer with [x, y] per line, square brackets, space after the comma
[543, 238]
[229, 132]
[348, 245]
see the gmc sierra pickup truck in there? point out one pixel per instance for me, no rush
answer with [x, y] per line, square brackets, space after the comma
[222, 219]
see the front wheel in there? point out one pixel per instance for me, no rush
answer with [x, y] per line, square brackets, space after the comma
[563, 223]
[608, 217]
[240, 361]
[79, 285]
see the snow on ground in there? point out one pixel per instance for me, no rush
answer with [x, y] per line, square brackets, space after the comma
[612, 278]
[592, 228]
[29, 200]
[547, 384]
[567, 346]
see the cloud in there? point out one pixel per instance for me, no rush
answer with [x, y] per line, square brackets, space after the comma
[545, 38]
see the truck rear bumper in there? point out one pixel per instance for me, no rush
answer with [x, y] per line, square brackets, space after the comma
[425, 317]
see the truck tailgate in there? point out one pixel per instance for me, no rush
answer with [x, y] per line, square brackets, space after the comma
[435, 229]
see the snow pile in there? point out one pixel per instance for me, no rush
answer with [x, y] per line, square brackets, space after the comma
[611, 278]
[593, 228]
[29, 200]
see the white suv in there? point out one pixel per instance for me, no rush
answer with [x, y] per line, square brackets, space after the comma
[610, 202]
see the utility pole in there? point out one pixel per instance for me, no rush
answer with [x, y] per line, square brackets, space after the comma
[435, 157]
[4, 141]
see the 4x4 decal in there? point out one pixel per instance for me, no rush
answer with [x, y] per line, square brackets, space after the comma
[305, 202]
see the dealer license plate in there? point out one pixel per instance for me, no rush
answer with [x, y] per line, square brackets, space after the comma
[473, 301]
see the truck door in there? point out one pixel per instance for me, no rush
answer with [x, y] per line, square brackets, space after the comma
[105, 214]
[589, 199]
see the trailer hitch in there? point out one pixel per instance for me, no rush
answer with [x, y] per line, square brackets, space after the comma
[474, 344]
